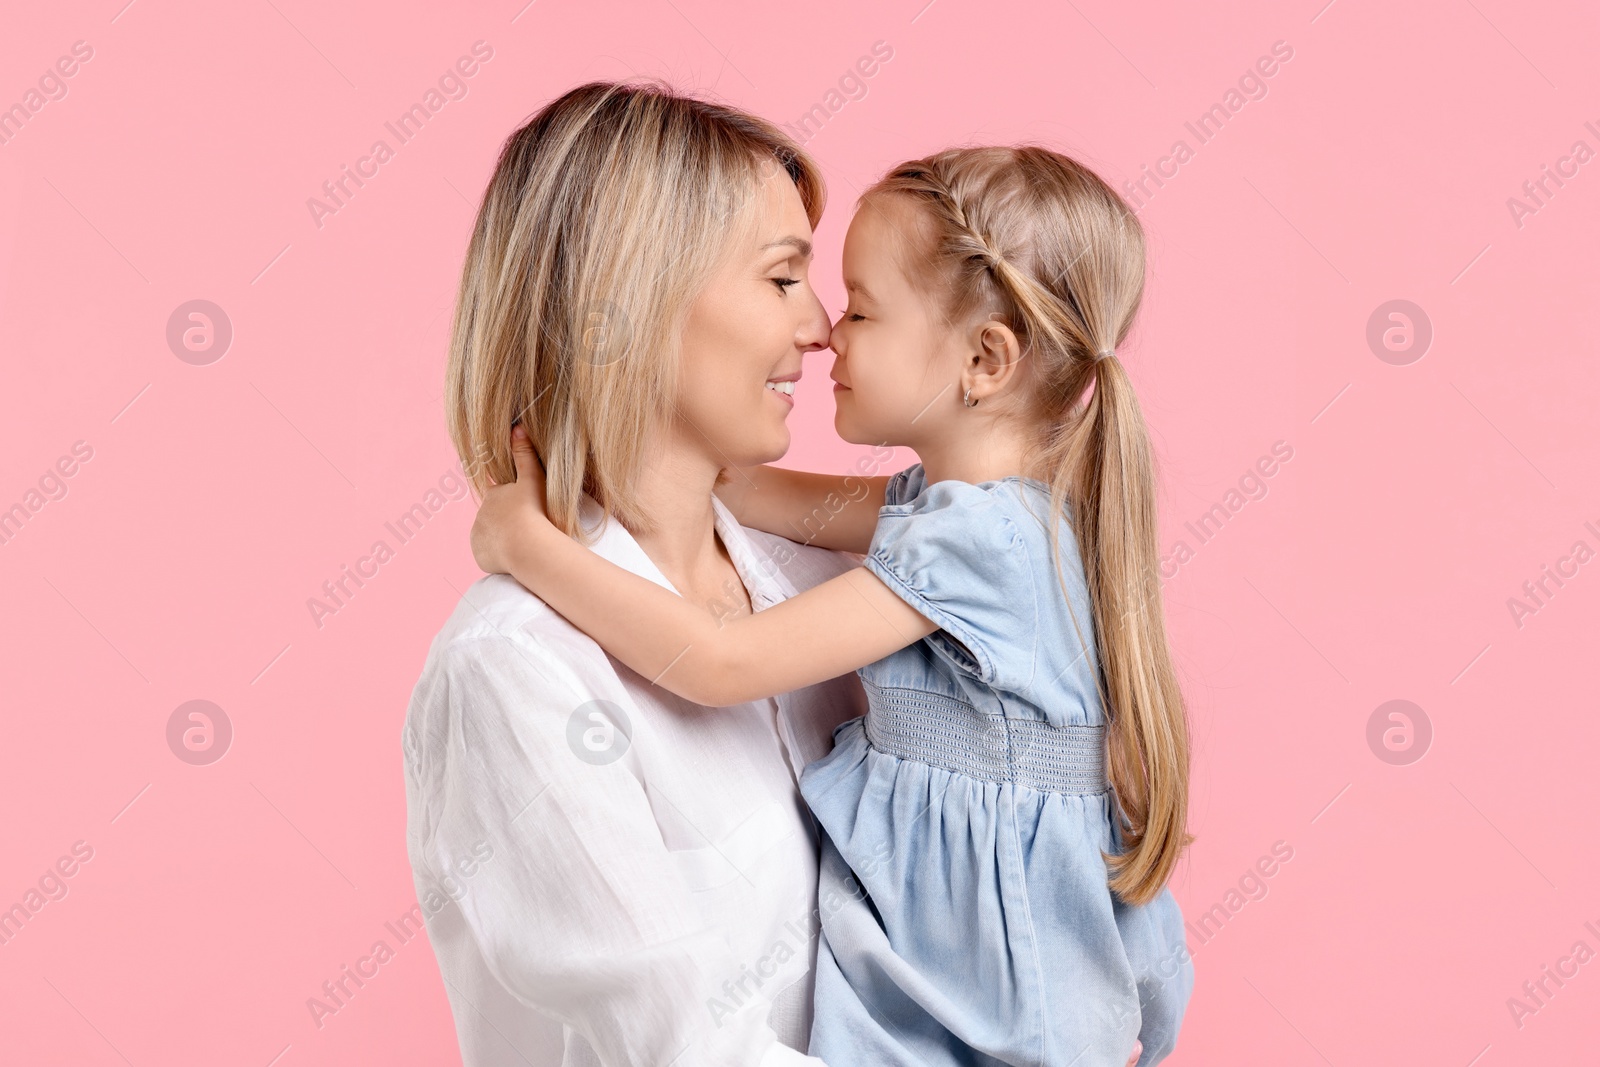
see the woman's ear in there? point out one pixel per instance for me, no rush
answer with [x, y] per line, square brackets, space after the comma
[994, 359]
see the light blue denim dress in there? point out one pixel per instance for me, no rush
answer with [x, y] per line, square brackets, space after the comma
[965, 916]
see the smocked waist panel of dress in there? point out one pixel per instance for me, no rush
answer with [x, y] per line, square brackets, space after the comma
[942, 731]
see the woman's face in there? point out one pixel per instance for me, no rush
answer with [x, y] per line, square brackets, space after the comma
[747, 331]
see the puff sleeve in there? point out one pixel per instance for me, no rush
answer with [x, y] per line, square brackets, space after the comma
[952, 551]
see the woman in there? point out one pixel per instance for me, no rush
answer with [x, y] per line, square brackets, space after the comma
[626, 878]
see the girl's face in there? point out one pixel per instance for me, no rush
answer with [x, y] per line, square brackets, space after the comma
[747, 331]
[896, 366]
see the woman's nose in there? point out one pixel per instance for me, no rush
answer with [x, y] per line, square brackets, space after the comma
[815, 330]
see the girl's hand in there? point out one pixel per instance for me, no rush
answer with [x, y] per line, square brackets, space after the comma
[511, 514]
[1138, 1050]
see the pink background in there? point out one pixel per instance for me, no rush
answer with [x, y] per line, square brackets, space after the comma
[1418, 500]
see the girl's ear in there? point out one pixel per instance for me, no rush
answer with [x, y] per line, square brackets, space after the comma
[994, 360]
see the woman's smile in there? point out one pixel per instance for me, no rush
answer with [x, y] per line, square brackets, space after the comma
[783, 388]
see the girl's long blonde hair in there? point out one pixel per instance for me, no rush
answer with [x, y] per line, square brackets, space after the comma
[606, 214]
[1041, 239]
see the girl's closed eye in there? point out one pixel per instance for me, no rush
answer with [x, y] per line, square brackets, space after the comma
[784, 283]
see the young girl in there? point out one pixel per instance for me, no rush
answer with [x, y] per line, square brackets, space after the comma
[1001, 825]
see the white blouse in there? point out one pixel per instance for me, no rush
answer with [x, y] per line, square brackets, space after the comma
[609, 874]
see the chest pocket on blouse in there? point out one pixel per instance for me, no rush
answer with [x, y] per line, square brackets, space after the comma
[739, 853]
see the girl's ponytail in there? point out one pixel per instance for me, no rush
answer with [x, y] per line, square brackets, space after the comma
[1112, 480]
[1045, 240]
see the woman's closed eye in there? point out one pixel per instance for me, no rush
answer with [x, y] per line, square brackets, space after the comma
[784, 283]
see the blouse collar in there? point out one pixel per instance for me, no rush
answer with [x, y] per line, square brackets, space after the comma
[761, 577]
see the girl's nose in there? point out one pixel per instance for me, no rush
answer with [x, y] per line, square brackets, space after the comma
[836, 336]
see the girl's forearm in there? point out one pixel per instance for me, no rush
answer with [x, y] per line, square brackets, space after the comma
[831, 629]
[644, 625]
[831, 511]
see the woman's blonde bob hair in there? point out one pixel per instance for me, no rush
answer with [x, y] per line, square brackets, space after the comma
[606, 215]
